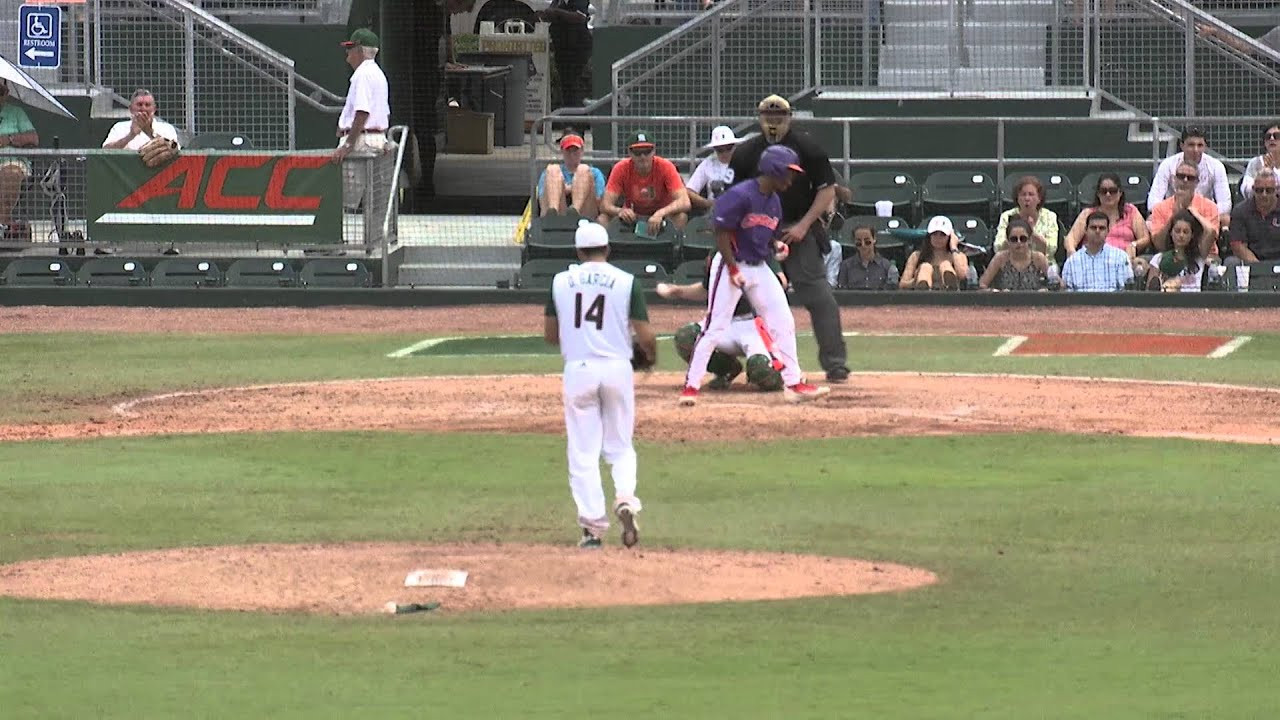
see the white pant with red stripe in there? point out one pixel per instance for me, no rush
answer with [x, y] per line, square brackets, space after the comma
[599, 419]
[769, 301]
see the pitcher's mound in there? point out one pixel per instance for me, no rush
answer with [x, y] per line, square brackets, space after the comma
[362, 578]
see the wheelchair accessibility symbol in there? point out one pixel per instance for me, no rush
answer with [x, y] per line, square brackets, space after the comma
[40, 37]
[40, 26]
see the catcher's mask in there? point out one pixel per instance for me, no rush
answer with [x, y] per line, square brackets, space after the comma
[775, 118]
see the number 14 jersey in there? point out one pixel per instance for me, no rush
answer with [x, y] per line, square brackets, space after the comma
[594, 303]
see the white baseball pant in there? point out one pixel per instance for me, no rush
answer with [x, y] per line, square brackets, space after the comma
[599, 419]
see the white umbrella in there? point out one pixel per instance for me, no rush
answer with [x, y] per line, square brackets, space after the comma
[25, 89]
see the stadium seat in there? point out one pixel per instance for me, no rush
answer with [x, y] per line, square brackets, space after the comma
[112, 272]
[335, 273]
[220, 141]
[1059, 191]
[38, 272]
[186, 272]
[551, 236]
[699, 239]
[1136, 187]
[971, 229]
[261, 272]
[899, 188]
[539, 273]
[952, 192]
[624, 243]
[689, 271]
[648, 272]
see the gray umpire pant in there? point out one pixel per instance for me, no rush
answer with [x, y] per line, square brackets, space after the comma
[807, 272]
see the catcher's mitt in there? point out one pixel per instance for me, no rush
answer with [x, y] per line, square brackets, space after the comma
[158, 152]
[640, 360]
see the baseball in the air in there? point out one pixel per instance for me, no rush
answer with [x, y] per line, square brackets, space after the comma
[663, 290]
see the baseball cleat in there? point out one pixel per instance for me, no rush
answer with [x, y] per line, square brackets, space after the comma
[803, 392]
[689, 396]
[630, 530]
[722, 382]
[589, 541]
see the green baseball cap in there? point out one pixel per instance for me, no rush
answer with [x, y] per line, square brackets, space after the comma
[641, 139]
[364, 37]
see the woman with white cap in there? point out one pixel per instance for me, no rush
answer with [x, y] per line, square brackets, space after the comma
[713, 174]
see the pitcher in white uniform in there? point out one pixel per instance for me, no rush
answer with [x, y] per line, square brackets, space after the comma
[593, 311]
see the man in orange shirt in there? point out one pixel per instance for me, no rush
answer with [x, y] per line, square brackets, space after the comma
[1185, 197]
[645, 186]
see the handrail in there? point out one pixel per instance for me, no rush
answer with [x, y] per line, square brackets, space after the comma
[397, 134]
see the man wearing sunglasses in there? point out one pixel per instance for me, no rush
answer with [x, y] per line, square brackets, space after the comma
[713, 175]
[645, 186]
[16, 131]
[867, 270]
[1211, 174]
[1185, 197]
[1255, 223]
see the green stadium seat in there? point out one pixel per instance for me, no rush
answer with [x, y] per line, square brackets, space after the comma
[899, 188]
[335, 273]
[625, 244]
[551, 236]
[261, 272]
[219, 141]
[689, 271]
[186, 272]
[648, 272]
[971, 229]
[699, 239]
[539, 273]
[959, 192]
[1136, 187]
[1059, 191]
[38, 272]
[113, 272]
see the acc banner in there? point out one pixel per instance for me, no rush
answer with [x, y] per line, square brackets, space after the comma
[208, 197]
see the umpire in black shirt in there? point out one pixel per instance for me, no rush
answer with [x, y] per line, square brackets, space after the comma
[802, 204]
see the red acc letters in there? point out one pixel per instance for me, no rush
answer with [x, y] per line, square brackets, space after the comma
[191, 170]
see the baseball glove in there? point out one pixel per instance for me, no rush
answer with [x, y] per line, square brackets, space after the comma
[158, 152]
[640, 360]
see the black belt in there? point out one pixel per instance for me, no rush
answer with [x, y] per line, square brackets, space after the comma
[366, 131]
[753, 263]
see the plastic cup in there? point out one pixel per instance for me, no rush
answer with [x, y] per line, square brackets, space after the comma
[884, 208]
[1242, 278]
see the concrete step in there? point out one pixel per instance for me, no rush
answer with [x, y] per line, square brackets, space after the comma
[968, 79]
[908, 57]
[896, 11]
[975, 33]
[462, 254]
[456, 274]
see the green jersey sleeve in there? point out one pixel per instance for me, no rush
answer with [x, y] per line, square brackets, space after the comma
[639, 311]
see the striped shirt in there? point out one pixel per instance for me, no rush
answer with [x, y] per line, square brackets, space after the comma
[1106, 271]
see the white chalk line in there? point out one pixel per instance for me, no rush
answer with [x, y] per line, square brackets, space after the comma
[1009, 346]
[1229, 347]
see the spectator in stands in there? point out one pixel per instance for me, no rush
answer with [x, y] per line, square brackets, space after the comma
[571, 183]
[1268, 160]
[1127, 230]
[362, 125]
[16, 131]
[1017, 266]
[1255, 223]
[1185, 197]
[1098, 267]
[713, 175]
[645, 186]
[803, 204]
[1029, 194]
[571, 46]
[142, 125]
[938, 261]
[1210, 172]
[1179, 268]
[866, 270]
[1271, 39]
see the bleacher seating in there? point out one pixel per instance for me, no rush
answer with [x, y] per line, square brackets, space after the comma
[699, 239]
[625, 244]
[648, 272]
[261, 272]
[113, 272]
[335, 273]
[38, 272]
[1059, 191]
[951, 192]
[1135, 186]
[689, 271]
[551, 236]
[186, 272]
[897, 187]
[538, 274]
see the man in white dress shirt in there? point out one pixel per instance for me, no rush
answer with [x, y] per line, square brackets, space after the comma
[142, 125]
[1213, 174]
[362, 126]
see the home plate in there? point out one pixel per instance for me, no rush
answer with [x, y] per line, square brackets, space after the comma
[436, 578]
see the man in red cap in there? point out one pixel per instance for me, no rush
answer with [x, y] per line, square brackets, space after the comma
[571, 183]
[645, 186]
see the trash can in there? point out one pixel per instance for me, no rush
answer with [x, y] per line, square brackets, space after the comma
[514, 92]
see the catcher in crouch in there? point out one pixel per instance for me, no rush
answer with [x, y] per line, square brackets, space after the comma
[155, 140]
[746, 337]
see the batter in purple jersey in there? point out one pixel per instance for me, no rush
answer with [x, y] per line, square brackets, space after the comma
[746, 221]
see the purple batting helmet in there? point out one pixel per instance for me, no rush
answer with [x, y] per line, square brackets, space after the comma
[777, 160]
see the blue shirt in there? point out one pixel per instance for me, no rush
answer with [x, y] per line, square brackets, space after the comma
[1107, 271]
[752, 216]
[568, 179]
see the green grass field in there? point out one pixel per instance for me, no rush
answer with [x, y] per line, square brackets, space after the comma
[1081, 577]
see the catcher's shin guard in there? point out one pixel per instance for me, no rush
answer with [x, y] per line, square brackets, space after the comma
[760, 372]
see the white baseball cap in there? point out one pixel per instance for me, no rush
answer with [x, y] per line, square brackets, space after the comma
[941, 223]
[590, 235]
[722, 135]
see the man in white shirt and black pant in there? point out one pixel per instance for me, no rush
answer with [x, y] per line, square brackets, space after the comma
[141, 127]
[362, 130]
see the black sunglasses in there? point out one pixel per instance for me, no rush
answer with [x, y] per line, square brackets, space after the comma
[1019, 239]
[641, 152]
[1184, 176]
[863, 243]
[1272, 136]
[1108, 191]
[1264, 190]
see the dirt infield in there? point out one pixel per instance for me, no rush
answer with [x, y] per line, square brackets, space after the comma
[347, 579]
